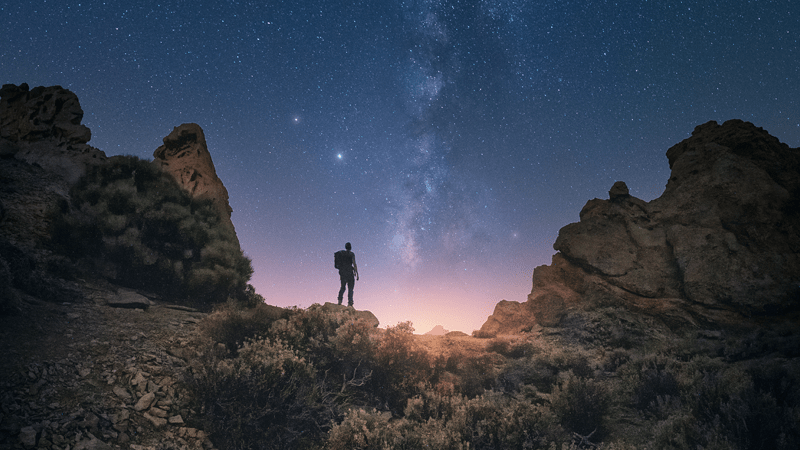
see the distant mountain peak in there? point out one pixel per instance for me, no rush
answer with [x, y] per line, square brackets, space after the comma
[438, 330]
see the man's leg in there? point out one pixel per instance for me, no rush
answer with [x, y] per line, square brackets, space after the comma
[341, 289]
[350, 284]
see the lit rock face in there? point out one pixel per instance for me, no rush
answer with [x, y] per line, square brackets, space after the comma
[43, 126]
[185, 156]
[720, 244]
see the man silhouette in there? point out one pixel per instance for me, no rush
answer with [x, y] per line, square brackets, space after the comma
[348, 272]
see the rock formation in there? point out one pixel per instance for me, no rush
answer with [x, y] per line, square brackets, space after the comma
[722, 243]
[185, 156]
[364, 315]
[43, 147]
[43, 126]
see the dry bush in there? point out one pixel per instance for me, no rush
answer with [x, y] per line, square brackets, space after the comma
[134, 223]
[581, 405]
[232, 325]
[265, 398]
[400, 365]
[474, 373]
[512, 348]
[451, 422]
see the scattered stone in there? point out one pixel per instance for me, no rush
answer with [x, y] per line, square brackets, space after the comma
[90, 421]
[92, 443]
[27, 436]
[120, 416]
[158, 422]
[158, 412]
[145, 401]
[176, 420]
[138, 379]
[129, 299]
[122, 393]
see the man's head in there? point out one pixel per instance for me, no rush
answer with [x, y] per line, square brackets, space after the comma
[347, 246]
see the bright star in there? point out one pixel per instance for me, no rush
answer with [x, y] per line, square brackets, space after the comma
[339, 155]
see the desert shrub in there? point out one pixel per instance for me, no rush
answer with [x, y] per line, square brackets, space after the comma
[345, 362]
[780, 338]
[728, 405]
[581, 404]
[657, 388]
[472, 373]
[400, 365]
[497, 421]
[365, 430]
[706, 402]
[250, 298]
[451, 422]
[511, 348]
[542, 370]
[232, 325]
[614, 359]
[133, 222]
[265, 398]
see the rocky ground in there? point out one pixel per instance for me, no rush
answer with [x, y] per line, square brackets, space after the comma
[86, 375]
[98, 373]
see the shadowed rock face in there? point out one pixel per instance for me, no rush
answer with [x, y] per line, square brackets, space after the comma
[186, 157]
[720, 244]
[43, 126]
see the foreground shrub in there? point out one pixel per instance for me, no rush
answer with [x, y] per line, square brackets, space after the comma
[284, 376]
[134, 223]
[400, 366]
[451, 422]
[581, 405]
[266, 398]
[350, 386]
[234, 324]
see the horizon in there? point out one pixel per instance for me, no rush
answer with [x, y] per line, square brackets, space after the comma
[447, 142]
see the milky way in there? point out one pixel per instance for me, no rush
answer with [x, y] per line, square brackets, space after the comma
[449, 141]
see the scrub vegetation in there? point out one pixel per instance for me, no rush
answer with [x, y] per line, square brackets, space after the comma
[321, 378]
[132, 223]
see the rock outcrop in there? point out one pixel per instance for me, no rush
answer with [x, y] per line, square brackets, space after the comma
[43, 126]
[364, 315]
[186, 157]
[722, 243]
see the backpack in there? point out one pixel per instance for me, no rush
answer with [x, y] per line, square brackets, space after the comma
[338, 259]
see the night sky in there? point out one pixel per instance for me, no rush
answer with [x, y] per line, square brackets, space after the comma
[449, 141]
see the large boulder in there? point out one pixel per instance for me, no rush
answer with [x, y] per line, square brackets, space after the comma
[508, 318]
[721, 243]
[367, 316]
[43, 126]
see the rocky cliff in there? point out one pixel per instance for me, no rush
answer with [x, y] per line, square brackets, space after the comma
[43, 153]
[186, 157]
[43, 126]
[721, 244]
